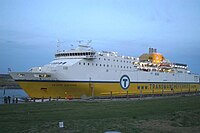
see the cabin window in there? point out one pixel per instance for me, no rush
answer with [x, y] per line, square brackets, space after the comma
[107, 65]
[96, 64]
[88, 64]
[138, 87]
[79, 63]
[84, 63]
[104, 65]
[146, 87]
[142, 87]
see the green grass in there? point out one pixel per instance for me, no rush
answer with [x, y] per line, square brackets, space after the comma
[178, 114]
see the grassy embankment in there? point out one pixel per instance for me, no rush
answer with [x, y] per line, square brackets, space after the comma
[176, 114]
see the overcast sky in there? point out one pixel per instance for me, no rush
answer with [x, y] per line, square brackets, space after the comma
[29, 29]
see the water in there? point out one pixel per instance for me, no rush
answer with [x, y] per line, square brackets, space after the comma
[19, 93]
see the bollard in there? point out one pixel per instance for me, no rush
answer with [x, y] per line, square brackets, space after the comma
[42, 99]
[111, 95]
[153, 92]
[57, 99]
[13, 100]
[127, 95]
[16, 100]
[49, 98]
[34, 99]
[181, 91]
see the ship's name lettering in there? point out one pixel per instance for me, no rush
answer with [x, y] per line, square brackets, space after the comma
[64, 85]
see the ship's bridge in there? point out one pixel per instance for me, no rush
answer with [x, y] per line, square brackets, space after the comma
[82, 51]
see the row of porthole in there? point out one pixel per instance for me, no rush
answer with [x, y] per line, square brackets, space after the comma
[116, 60]
[104, 65]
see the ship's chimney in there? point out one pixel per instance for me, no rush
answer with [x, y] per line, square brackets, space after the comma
[155, 50]
[150, 50]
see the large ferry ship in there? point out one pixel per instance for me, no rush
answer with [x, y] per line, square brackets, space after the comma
[84, 72]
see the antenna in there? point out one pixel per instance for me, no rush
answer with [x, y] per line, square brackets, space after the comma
[89, 41]
[58, 44]
[80, 41]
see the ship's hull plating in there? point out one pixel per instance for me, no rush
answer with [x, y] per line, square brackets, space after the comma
[78, 89]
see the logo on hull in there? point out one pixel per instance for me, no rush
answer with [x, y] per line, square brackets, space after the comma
[125, 82]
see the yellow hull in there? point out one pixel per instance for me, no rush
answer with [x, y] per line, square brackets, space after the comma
[55, 89]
